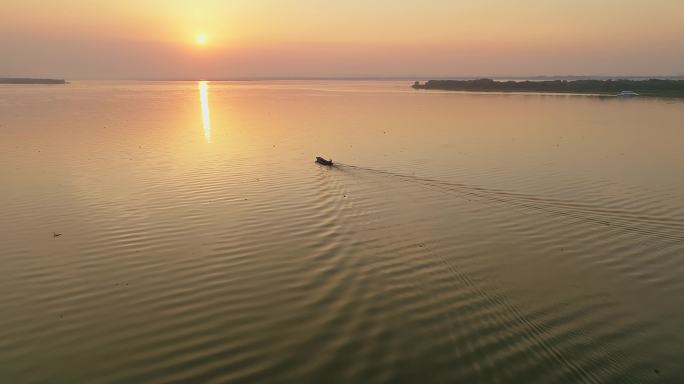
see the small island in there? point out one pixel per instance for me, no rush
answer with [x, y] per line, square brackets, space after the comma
[620, 87]
[18, 80]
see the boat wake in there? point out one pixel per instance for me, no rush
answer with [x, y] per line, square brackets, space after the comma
[621, 219]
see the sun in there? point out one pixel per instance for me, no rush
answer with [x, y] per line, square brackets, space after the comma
[201, 39]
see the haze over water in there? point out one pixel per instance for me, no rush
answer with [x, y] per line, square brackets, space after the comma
[460, 237]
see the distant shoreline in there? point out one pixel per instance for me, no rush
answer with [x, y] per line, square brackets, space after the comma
[18, 80]
[650, 87]
[384, 78]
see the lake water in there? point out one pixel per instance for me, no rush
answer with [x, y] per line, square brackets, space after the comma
[156, 232]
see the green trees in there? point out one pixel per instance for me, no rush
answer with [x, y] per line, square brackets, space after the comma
[674, 87]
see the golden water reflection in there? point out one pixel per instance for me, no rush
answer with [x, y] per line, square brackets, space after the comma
[204, 101]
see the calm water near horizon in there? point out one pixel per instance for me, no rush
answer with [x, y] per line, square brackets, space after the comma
[461, 237]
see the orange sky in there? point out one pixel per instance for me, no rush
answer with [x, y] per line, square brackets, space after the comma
[286, 38]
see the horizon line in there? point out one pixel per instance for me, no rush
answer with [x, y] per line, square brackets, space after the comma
[357, 78]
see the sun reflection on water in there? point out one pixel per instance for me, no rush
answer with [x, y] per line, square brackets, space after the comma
[204, 101]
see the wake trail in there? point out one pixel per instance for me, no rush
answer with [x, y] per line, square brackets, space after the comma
[620, 219]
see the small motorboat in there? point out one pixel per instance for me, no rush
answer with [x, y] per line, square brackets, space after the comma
[323, 161]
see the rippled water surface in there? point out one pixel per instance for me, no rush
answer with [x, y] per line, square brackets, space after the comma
[171, 232]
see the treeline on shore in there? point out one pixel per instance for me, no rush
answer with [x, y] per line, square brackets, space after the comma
[18, 80]
[647, 87]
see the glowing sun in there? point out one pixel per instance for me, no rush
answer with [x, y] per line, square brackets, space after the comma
[201, 39]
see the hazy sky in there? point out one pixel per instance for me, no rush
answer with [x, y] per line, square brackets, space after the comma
[158, 38]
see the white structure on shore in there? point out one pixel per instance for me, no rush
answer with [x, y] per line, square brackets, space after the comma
[627, 94]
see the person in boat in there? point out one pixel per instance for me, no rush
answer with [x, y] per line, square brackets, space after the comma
[323, 161]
